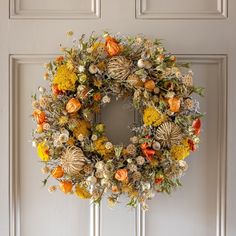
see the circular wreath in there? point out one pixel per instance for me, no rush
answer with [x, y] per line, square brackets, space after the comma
[75, 149]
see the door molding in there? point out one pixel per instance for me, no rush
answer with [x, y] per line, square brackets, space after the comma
[17, 12]
[142, 12]
[95, 218]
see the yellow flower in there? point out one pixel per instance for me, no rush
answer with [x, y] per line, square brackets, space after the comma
[70, 33]
[100, 146]
[100, 128]
[63, 120]
[82, 127]
[70, 65]
[65, 78]
[97, 82]
[82, 192]
[71, 141]
[43, 151]
[181, 151]
[153, 117]
[97, 45]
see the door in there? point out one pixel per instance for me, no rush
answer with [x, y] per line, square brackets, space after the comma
[198, 31]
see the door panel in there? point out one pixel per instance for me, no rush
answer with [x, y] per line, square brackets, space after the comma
[202, 32]
[202, 196]
[56, 214]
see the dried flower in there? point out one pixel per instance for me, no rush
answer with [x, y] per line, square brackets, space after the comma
[187, 80]
[121, 174]
[52, 188]
[131, 149]
[132, 167]
[153, 117]
[136, 176]
[72, 160]
[112, 46]
[45, 170]
[65, 79]
[43, 151]
[168, 134]
[134, 139]
[156, 145]
[106, 99]
[82, 192]
[140, 160]
[108, 145]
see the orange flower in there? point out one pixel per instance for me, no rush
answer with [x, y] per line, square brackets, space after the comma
[57, 172]
[55, 89]
[112, 46]
[97, 97]
[192, 145]
[159, 179]
[73, 105]
[39, 128]
[39, 116]
[197, 126]
[121, 174]
[66, 186]
[149, 85]
[174, 104]
[115, 189]
[59, 59]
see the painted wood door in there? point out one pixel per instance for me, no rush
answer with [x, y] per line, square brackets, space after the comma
[199, 31]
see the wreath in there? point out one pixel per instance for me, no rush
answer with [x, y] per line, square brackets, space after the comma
[74, 148]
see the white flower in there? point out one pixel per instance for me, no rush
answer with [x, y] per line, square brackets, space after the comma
[156, 145]
[183, 165]
[156, 90]
[35, 104]
[94, 137]
[140, 160]
[46, 126]
[93, 69]
[129, 160]
[81, 69]
[41, 89]
[65, 131]
[174, 70]
[141, 63]
[52, 188]
[160, 49]
[147, 64]
[34, 143]
[132, 167]
[105, 182]
[57, 143]
[134, 139]
[146, 186]
[170, 94]
[55, 135]
[80, 137]
[63, 138]
[100, 165]
[178, 74]
[92, 179]
[108, 145]
[89, 50]
[106, 99]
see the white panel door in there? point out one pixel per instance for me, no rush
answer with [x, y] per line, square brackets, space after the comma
[199, 31]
